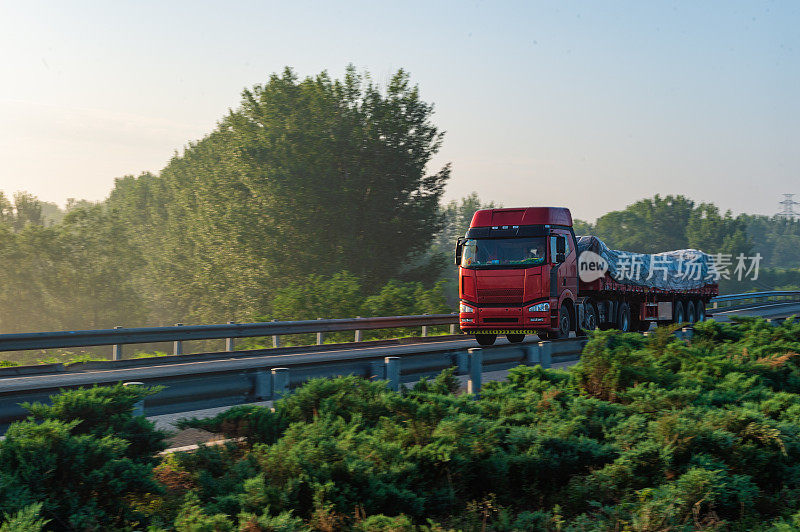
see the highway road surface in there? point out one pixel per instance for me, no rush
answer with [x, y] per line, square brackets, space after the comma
[766, 310]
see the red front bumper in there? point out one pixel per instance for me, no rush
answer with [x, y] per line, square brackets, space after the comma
[504, 320]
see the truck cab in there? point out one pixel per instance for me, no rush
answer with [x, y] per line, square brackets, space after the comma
[517, 273]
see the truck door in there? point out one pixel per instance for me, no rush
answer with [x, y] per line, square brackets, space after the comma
[566, 273]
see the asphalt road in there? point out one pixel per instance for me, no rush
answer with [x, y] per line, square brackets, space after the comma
[772, 310]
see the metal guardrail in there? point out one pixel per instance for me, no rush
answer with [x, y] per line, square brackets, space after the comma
[227, 382]
[196, 381]
[774, 295]
[183, 333]
[230, 331]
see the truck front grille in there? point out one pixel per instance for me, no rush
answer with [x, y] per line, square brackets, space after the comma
[506, 296]
[500, 320]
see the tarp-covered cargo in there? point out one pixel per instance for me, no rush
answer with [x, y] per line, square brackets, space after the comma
[683, 269]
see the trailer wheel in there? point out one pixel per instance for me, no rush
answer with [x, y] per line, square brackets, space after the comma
[678, 316]
[644, 326]
[515, 338]
[486, 339]
[624, 321]
[691, 314]
[700, 310]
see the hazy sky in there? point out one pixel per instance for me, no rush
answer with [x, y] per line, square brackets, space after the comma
[591, 105]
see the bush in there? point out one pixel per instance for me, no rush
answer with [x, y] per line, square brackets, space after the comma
[25, 520]
[106, 411]
[642, 434]
[82, 481]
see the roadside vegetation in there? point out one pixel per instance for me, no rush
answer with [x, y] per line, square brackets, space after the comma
[646, 433]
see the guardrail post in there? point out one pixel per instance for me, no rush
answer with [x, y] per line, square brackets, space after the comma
[533, 355]
[138, 407]
[452, 328]
[475, 371]
[177, 345]
[276, 341]
[358, 336]
[462, 362]
[320, 336]
[376, 370]
[545, 354]
[280, 382]
[425, 330]
[229, 342]
[261, 388]
[116, 350]
[392, 371]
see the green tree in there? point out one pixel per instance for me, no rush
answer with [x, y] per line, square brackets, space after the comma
[306, 176]
[339, 296]
[714, 233]
[648, 226]
[27, 210]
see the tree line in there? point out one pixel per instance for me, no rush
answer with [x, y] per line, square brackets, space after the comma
[308, 179]
[312, 198]
[657, 224]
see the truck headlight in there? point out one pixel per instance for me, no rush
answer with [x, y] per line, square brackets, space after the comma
[540, 307]
[465, 308]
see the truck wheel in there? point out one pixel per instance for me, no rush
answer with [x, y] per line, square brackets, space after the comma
[678, 315]
[644, 326]
[691, 315]
[624, 321]
[589, 319]
[515, 338]
[700, 310]
[564, 325]
[486, 339]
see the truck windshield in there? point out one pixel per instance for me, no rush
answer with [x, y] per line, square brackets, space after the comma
[492, 252]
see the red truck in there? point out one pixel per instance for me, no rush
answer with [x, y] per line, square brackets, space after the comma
[519, 274]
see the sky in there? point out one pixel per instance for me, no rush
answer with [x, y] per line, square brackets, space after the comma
[589, 105]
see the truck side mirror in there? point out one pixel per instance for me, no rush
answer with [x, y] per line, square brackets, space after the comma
[459, 247]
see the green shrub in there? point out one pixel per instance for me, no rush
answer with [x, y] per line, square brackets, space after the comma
[82, 481]
[644, 433]
[106, 411]
[25, 520]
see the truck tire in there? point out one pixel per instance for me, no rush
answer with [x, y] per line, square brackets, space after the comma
[589, 318]
[644, 326]
[486, 339]
[691, 314]
[564, 326]
[678, 314]
[624, 320]
[515, 338]
[700, 310]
